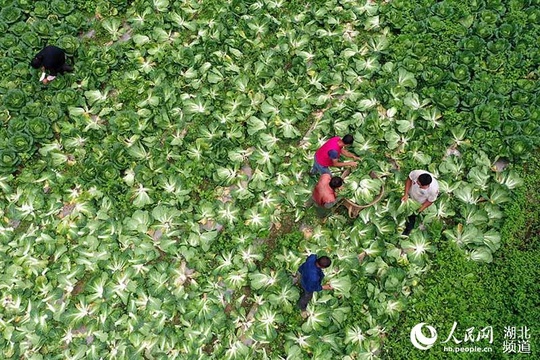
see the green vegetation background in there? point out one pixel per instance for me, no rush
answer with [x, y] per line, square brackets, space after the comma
[503, 293]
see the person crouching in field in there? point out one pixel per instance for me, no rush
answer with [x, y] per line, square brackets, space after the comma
[52, 61]
[328, 155]
[325, 193]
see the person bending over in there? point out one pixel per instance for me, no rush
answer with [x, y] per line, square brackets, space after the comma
[324, 193]
[328, 155]
[311, 276]
[424, 189]
[52, 61]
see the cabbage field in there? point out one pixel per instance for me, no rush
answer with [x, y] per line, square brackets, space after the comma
[152, 202]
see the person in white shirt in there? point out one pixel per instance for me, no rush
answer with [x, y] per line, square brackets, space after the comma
[422, 187]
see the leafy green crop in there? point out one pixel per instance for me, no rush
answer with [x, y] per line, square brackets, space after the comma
[10, 14]
[21, 142]
[153, 200]
[62, 7]
[14, 99]
[8, 160]
[470, 297]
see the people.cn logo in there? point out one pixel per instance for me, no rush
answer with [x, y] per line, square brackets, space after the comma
[419, 340]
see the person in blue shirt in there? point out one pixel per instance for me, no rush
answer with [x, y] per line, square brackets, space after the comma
[311, 276]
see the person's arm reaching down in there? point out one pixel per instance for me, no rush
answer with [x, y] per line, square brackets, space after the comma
[349, 154]
[425, 205]
[408, 184]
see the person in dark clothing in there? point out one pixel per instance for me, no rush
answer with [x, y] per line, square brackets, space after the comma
[311, 276]
[52, 61]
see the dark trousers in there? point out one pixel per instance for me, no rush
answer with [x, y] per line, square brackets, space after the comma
[305, 298]
[322, 212]
[65, 68]
[61, 70]
[409, 225]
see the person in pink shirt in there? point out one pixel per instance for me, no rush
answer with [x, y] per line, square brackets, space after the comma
[328, 155]
[324, 194]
